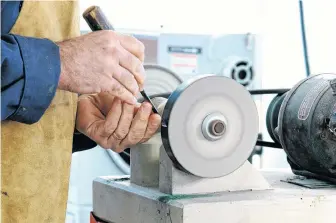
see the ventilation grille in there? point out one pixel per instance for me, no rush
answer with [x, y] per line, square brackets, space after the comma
[242, 72]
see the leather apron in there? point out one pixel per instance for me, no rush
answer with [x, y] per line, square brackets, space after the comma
[35, 159]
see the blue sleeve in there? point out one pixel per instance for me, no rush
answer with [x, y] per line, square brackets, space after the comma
[30, 70]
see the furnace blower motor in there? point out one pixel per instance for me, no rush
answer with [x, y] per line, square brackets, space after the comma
[303, 121]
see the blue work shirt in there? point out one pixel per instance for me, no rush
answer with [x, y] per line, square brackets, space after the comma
[30, 70]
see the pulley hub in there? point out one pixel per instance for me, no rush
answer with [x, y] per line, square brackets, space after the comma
[213, 126]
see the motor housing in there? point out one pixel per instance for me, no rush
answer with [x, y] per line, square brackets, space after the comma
[306, 127]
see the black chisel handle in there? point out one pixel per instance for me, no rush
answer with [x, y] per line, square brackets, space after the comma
[96, 19]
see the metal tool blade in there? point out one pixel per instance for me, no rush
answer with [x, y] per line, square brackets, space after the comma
[145, 96]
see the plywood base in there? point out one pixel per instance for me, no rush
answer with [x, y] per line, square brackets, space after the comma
[116, 200]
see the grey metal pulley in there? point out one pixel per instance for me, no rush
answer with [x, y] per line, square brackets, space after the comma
[159, 80]
[209, 126]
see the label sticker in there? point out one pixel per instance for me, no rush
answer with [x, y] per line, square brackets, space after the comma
[186, 50]
[183, 63]
[309, 100]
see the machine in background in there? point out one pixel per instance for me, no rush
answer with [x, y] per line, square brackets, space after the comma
[231, 55]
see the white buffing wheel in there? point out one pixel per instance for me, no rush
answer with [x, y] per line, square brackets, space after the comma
[191, 108]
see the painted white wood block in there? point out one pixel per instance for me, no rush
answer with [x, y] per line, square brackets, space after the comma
[145, 162]
[174, 181]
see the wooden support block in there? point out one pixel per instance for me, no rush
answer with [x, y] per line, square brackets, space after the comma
[173, 181]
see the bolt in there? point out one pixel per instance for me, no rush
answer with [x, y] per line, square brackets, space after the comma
[217, 127]
[214, 126]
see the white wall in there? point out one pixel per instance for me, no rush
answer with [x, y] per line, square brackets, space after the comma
[180, 15]
[321, 24]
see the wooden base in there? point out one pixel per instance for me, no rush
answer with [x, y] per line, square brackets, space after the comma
[173, 181]
[117, 200]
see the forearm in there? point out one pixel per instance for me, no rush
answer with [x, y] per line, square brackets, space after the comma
[30, 70]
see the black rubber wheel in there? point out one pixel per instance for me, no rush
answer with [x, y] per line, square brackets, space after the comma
[273, 114]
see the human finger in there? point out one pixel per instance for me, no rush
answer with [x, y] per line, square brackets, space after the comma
[133, 65]
[117, 89]
[132, 45]
[138, 126]
[127, 79]
[123, 127]
[109, 124]
[154, 123]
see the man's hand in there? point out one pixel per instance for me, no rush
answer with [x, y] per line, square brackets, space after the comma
[103, 61]
[113, 124]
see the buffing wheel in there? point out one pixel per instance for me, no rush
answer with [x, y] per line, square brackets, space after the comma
[209, 126]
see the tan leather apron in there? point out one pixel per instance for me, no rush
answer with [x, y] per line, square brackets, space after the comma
[35, 159]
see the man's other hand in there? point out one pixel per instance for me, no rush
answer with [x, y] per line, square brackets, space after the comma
[103, 61]
[114, 124]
